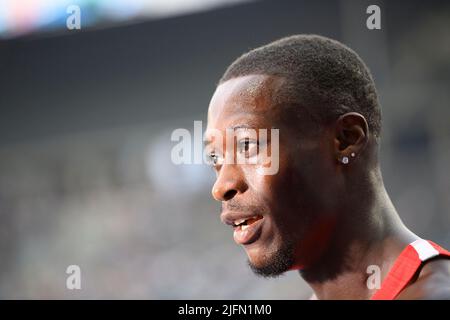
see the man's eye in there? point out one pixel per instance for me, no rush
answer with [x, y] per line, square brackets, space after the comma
[247, 146]
[213, 159]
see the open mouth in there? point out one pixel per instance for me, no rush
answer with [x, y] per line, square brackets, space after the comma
[243, 224]
[247, 230]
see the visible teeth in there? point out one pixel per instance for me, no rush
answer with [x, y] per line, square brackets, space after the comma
[243, 227]
[237, 222]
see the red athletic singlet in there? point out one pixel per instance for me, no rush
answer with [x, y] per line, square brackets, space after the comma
[406, 266]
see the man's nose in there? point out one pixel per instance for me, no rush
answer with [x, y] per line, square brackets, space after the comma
[229, 183]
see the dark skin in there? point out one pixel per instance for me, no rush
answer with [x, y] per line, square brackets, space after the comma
[338, 218]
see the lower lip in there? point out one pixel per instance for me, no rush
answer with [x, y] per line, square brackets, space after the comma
[250, 234]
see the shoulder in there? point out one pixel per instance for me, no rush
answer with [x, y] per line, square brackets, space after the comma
[432, 283]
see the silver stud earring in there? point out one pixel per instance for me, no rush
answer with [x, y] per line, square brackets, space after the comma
[353, 154]
[344, 160]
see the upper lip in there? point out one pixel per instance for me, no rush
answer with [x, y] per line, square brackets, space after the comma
[229, 217]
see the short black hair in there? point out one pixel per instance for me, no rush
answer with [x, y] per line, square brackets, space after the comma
[321, 73]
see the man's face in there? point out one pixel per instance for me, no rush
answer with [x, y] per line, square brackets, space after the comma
[289, 215]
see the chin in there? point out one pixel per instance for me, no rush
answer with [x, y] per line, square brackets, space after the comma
[271, 263]
[257, 256]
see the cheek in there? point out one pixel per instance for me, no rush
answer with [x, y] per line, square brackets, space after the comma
[303, 189]
[314, 180]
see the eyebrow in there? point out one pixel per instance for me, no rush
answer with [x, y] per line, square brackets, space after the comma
[241, 126]
[238, 126]
[207, 142]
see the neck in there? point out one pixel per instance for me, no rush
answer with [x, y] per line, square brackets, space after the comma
[369, 234]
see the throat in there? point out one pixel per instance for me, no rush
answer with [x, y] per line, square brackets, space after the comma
[341, 276]
[360, 271]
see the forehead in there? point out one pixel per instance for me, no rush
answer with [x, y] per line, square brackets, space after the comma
[248, 99]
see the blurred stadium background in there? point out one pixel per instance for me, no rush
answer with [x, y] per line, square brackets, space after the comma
[85, 124]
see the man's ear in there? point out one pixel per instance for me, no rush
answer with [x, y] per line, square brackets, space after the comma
[351, 136]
